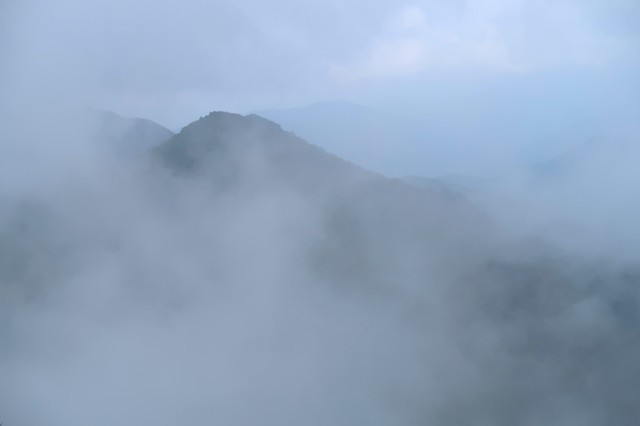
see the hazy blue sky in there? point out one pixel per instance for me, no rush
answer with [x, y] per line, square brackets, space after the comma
[172, 60]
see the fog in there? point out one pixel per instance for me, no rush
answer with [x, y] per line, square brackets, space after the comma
[234, 274]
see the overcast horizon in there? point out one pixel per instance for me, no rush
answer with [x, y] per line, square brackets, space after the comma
[171, 62]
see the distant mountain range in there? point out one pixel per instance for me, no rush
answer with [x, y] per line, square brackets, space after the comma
[432, 144]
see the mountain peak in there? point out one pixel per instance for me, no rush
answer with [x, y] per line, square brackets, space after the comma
[228, 121]
[224, 143]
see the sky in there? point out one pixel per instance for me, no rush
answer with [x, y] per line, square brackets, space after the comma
[173, 61]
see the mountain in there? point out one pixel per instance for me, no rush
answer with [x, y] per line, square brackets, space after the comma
[229, 146]
[247, 274]
[228, 139]
[360, 209]
[126, 136]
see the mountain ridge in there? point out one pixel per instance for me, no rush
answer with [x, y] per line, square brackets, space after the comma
[126, 136]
